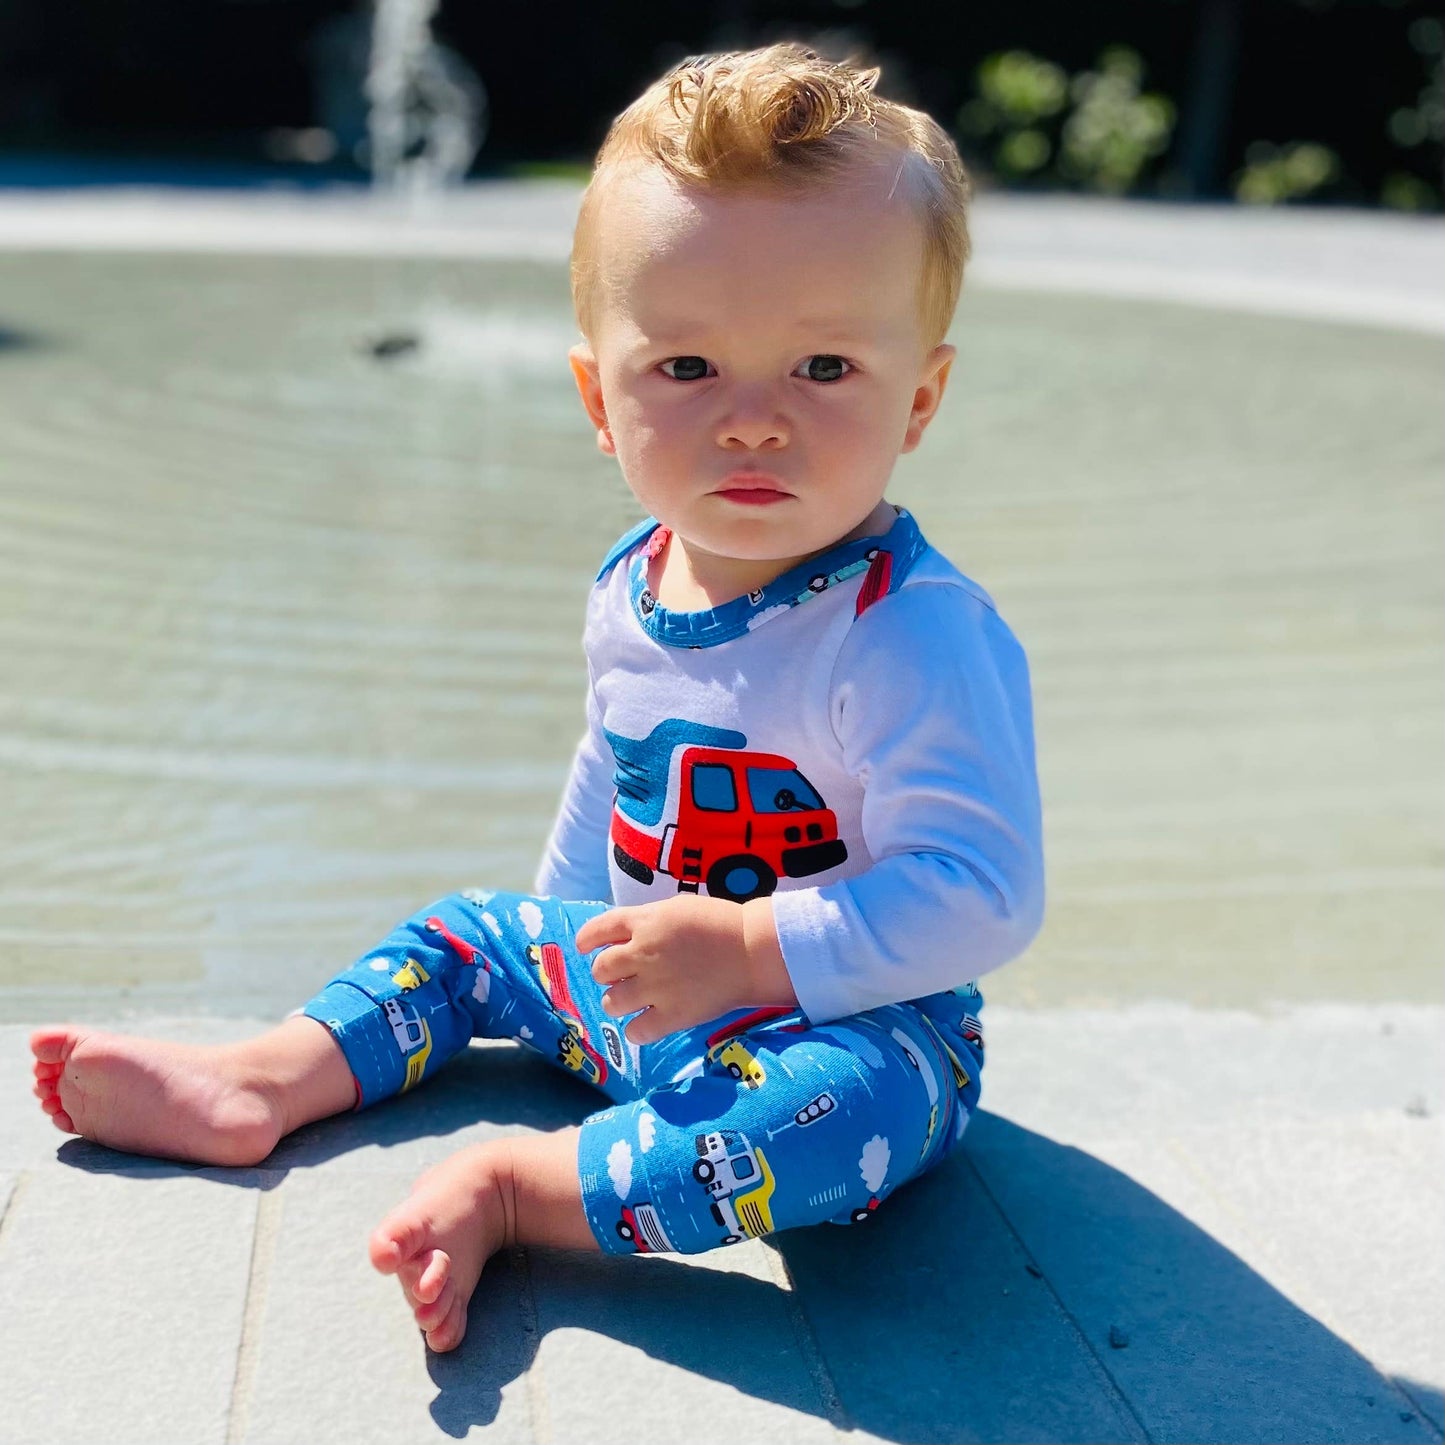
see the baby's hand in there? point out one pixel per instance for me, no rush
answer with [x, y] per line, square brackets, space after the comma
[685, 960]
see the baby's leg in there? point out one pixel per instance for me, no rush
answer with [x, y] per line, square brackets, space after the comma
[492, 1196]
[364, 1037]
[785, 1124]
[224, 1104]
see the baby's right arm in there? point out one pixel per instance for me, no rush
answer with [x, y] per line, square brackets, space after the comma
[574, 865]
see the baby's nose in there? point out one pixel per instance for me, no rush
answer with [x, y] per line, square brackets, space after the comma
[753, 431]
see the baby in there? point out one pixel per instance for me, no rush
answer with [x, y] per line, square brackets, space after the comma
[805, 805]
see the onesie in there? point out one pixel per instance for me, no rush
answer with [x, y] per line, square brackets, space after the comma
[853, 740]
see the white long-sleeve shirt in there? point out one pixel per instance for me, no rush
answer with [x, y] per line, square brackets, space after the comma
[855, 738]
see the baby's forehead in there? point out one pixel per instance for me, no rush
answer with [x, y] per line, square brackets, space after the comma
[659, 235]
[642, 202]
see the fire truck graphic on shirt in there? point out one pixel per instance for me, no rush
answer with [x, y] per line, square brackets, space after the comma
[695, 804]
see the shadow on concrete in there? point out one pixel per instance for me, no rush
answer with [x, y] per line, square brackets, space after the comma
[1022, 1291]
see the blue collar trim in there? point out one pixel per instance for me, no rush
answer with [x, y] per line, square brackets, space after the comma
[800, 584]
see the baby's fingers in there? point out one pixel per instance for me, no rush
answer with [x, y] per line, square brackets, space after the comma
[624, 997]
[607, 928]
[647, 1028]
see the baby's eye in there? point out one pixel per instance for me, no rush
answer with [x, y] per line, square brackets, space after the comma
[686, 368]
[825, 368]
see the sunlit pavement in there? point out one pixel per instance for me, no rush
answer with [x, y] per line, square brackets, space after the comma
[1169, 1226]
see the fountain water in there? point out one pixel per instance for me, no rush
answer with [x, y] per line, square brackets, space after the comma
[427, 107]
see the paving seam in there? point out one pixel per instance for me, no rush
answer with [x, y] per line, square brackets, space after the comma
[807, 1342]
[1089, 1351]
[7, 1213]
[1422, 1412]
[537, 1408]
[264, 1231]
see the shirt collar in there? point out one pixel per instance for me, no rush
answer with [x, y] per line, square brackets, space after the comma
[798, 585]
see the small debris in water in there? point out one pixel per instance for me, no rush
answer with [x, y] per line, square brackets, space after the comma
[1417, 1108]
[392, 343]
[1118, 1340]
[1034, 1270]
[1406, 1416]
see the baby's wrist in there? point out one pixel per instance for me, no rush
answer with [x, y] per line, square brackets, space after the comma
[766, 973]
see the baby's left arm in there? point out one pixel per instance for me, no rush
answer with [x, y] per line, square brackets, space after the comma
[931, 708]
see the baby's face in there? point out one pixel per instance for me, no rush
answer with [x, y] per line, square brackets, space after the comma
[758, 363]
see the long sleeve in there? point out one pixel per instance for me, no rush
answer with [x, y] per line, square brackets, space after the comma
[930, 705]
[574, 865]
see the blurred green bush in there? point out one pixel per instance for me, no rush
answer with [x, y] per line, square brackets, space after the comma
[1095, 131]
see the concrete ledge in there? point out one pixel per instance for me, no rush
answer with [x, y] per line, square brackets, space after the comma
[1172, 1225]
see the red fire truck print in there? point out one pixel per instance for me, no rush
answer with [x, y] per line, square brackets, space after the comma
[572, 1047]
[733, 821]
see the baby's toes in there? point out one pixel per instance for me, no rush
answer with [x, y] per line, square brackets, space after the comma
[429, 1315]
[398, 1240]
[432, 1277]
[447, 1333]
[422, 1277]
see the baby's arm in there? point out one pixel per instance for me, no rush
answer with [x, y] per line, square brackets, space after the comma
[574, 864]
[931, 707]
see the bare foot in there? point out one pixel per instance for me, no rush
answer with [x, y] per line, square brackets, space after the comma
[227, 1104]
[456, 1217]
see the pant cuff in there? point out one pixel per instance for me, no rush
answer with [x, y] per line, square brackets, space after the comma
[365, 1037]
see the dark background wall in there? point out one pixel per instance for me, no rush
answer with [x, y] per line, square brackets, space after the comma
[214, 79]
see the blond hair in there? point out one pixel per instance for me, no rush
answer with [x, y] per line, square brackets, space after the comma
[779, 116]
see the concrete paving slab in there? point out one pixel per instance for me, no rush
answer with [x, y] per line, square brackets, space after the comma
[933, 1327]
[1085, 1270]
[331, 1350]
[1345, 1217]
[1203, 1346]
[123, 1304]
[655, 1348]
[1072, 1072]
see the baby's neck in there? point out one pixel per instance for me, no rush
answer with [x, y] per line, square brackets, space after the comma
[684, 578]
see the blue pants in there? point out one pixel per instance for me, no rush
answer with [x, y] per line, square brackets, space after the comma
[755, 1122]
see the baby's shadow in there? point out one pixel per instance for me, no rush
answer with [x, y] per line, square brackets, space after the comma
[1024, 1290]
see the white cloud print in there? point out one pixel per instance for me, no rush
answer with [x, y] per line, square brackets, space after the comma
[646, 1131]
[482, 988]
[873, 1163]
[619, 1167]
[492, 924]
[530, 916]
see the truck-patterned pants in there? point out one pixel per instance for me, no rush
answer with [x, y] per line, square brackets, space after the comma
[757, 1122]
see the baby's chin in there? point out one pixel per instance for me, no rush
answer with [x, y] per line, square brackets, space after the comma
[778, 532]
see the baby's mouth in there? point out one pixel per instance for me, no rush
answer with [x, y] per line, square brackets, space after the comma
[752, 486]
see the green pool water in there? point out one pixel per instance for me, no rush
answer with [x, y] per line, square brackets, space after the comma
[289, 635]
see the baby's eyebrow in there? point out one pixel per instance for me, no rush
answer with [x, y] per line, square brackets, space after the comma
[811, 331]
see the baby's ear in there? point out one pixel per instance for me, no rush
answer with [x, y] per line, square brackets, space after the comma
[929, 393]
[588, 375]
